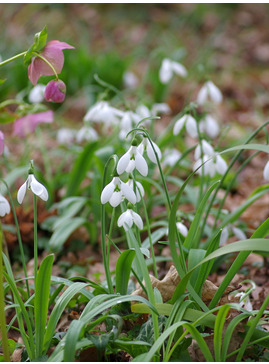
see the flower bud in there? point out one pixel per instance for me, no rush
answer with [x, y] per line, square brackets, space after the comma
[55, 91]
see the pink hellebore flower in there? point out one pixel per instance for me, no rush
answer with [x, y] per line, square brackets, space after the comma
[55, 91]
[28, 123]
[2, 137]
[53, 53]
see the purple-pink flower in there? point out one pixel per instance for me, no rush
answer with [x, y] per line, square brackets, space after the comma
[27, 124]
[2, 137]
[55, 91]
[53, 53]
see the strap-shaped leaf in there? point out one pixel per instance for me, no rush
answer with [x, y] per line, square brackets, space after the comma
[123, 270]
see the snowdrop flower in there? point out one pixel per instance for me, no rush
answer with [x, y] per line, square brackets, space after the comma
[209, 92]
[169, 67]
[127, 219]
[244, 301]
[145, 145]
[130, 80]
[231, 230]
[161, 108]
[2, 145]
[189, 122]
[170, 157]
[53, 53]
[66, 136]
[86, 133]
[37, 188]
[28, 123]
[213, 165]
[182, 229]
[128, 121]
[209, 126]
[136, 188]
[206, 148]
[4, 206]
[104, 113]
[266, 172]
[132, 159]
[36, 95]
[115, 191]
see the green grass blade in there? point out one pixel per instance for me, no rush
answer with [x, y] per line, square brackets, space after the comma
[41, 302]
[72, 337]
[219, 323]
[123, 270]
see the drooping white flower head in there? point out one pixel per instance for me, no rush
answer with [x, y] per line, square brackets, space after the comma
[128, 218]
[213, 165]
[189, 122]
[36, 187]
[168, 68]
[128, 122]
[209, 92]
[130, 80]
[170, 157]
[116, 191]
[4, 206]
[136, 188]
[161, 108]
[145, 145]
[36, 95]
[231, 230]
[206, 148]
[182, 229]
[132, 159]
[266, 172]
[66, 136]
[102, 112]
[86, 133]
[209, 126]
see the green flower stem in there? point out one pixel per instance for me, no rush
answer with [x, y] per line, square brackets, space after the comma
[109, 235]
[48, 63]
[35, 238]
[19, 237]
[2, 304]
[10, 102]
[13, 58]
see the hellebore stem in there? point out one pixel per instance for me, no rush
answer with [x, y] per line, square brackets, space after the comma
[12, 58]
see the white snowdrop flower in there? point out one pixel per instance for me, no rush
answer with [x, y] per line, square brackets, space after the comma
[170, 157]
[132, 159]
[224, 236]
[128, 122]
[130, 80]
[138, 187]
[86, 133]
[36, 95]
[169, 67]
[245, 302]
[233, 231]
[213, 165]
[189, 122]
[161, 108]
[209, 92]
[104, 113]
[145, 145]
[266, 172]
[182, 229]
[209, 126]
[206, 148]
[239, 233]
[4, 206]
[37, 188]
[116, 191]
[127, 219]
[66, 136]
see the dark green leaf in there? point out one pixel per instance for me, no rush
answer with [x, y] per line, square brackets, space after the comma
[123, 270]
[39, 43]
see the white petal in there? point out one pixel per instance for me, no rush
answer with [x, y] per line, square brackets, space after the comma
[21, 192]
[4, 206]
[142, 146]
[207, 148]
[266, 172]
[211, 127]
[197, 152]
[179, 125]
[123, 162]
[182, 229]
[137, 220]
[209, 167]
[221, 165]
[141, 164]
[196, 165]
[179, 69]
[131, 166]
[36, 187]
[202, 95]
[191, 127]
[128, 193]
[115, 199]
[140, 188]
[151, 154]
[224, 236]
[166, 71]
[44, 195]
[125, 220]
[239, 233]
[107, 192]
[214, 92]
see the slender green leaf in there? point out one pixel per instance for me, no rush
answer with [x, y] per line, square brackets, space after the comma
[123, 270]
[219, 323]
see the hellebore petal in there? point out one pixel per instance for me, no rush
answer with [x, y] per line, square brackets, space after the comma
[21, 192]
[53, 53]
[4, 206]
[55, 91]
[27, 124]
[2, 145]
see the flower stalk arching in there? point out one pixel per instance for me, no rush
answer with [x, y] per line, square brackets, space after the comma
[103, 232]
